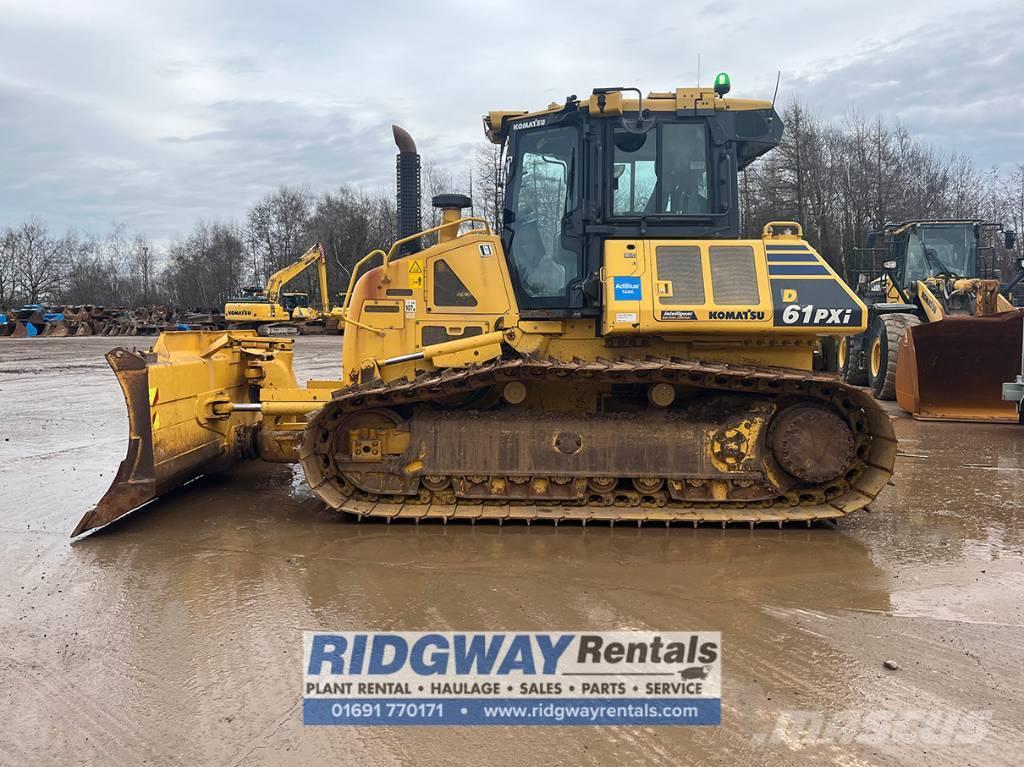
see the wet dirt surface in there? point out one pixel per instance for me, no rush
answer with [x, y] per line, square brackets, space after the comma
[175, 635]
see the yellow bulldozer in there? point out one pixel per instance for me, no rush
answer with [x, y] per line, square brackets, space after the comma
[616, 353]
[942, 333]
[270, 311]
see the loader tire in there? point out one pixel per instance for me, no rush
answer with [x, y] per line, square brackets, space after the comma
[882, 351]
[850, 363]
[830, 351]
[825, 355]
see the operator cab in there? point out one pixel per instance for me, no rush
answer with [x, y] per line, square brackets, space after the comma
[937, 253]
[253, 293]
[662, 166]
[250, 295]
[292, 301]
[924, 250]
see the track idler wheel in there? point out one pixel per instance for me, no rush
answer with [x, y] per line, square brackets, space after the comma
[367, 449]
[811, 443]
[436, 483]
[648, 484]
[601, 485]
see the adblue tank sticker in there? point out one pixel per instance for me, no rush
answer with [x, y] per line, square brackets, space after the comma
[627, 288]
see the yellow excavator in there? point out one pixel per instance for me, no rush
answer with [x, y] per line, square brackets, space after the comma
[271, 312]
[616, 353]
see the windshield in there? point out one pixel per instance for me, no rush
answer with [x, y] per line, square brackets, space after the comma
[672, 180]
[542, 193]
[933, 250]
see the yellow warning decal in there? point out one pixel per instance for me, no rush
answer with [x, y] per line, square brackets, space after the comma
[416, 273]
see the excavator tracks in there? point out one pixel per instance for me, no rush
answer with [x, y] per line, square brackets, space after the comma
[732, 497]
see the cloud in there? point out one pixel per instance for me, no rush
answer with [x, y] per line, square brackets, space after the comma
[159, 113]
[954, 82]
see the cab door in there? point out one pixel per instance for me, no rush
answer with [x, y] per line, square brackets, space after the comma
[543, 218]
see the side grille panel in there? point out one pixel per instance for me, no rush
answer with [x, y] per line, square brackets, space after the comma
[680, 265]
[733, 275]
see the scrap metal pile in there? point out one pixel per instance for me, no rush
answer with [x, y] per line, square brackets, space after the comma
[34, 320]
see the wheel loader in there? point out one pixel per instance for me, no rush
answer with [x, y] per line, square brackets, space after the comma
[942, 334]
[615, 353]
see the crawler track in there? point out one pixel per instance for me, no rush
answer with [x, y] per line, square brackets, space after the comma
[435, 497]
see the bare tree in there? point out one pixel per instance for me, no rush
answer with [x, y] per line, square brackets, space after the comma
[205, 269]
[489, 183]
[349, 224]
[842, 180]
[276, 229]
[39, 259]
[7, 269]
[143, 265]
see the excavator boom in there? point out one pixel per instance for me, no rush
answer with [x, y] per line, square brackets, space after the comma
[280, 278]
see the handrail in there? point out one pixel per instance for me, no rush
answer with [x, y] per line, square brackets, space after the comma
[391, 251]
[768, 232]
[439, 227]
[352, 278]
[349, 321]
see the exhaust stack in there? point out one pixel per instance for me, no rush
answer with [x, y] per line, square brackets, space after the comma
[407, 166]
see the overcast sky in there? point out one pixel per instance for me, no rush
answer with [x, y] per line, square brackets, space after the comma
[159, 113]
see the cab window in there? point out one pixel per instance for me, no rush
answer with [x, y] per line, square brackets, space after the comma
[542, 192]
[662, 171]
[684, 169]
[634, 177]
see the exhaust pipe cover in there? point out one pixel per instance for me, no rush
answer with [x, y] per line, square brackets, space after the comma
[407, 187]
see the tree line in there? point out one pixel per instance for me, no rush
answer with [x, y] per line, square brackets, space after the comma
[840, 179]
[845, 178]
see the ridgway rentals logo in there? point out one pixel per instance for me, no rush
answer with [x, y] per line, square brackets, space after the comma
[567, 677]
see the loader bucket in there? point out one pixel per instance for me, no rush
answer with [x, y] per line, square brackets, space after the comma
[954, 369]
[177, 395]
[55, 329]
[24, 330]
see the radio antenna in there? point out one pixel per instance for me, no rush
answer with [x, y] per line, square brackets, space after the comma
[778, 79]
[698, 69]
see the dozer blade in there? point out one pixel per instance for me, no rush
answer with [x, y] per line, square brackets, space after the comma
[181, 425]
[954, 369]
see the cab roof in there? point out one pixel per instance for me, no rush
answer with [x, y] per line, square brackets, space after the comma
[614, 104]
[902, 227]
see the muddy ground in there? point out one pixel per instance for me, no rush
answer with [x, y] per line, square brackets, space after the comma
[174, 636]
